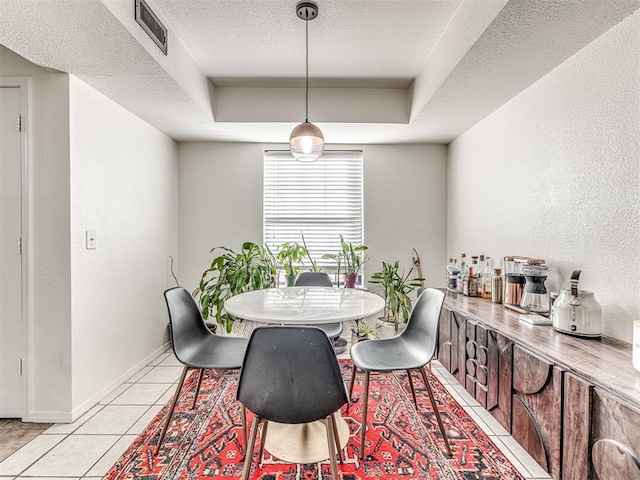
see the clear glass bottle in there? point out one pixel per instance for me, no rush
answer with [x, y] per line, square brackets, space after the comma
[470, 288]
[497, 286]
[446, 277]
[462, 273]
[452, 275]
[474, 264]
[479, 272]
[487, 279]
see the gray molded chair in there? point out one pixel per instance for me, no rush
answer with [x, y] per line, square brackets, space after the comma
[196, 347]
[320, 279]
[410, 350]
[275, 356]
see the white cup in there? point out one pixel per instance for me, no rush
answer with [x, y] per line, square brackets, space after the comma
[636, 344]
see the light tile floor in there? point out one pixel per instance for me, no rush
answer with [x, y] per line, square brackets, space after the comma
[88, 447]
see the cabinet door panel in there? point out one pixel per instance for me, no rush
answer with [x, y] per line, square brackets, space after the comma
[537, 408]
[444, 339]
[576, 425]
[615, 450]
[500, 378]
[527, 432]
[450, 331]
[488, 370]
[458, 357]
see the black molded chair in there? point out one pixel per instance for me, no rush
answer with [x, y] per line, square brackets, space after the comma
[291, 375]
[411, 350]
[320, 279]
[196, 347]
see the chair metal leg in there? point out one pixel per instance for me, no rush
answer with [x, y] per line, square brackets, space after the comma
[243, 421]
[195, 398]
[332, 446]
[413, 390]
[263, 439]
[336, 436]
[250, 446]
[163, 432]
[363, 428]
[351, 382]
[435, 409]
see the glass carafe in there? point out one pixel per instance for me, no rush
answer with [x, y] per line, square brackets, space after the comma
[535, 298]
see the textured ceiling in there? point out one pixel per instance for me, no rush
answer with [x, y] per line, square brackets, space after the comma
[379, 39]
[381, 71]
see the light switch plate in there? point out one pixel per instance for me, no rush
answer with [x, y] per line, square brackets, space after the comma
[91, 239]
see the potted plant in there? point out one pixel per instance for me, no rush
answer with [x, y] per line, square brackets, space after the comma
[290, 255]
[396, 288]
[231, 273]
[363, 331]
[352, 259]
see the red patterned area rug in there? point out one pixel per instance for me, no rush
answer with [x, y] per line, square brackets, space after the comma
[206, 442]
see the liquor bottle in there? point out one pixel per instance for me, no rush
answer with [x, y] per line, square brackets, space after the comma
[462, 273]
[487, 279]
[497, 286]
[470, 288]
[446, 277]
[479, 273]
[474, 264]
[452, 275]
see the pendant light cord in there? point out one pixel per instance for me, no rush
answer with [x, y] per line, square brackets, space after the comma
[306, 96]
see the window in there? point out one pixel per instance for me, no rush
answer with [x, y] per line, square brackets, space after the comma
[322, 199]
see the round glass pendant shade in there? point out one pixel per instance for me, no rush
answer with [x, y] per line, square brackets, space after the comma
[306, 142]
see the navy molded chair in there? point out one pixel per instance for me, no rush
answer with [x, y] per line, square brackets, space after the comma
[196, 347]
[320, 279]
[411, 350]
[291, 375]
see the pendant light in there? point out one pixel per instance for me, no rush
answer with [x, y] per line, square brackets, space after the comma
[306, 141]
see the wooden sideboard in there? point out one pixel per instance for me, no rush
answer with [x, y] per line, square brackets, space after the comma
[572, 403]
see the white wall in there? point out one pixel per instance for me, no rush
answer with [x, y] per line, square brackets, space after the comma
[404, 195]
[124, 180]
[96, 315]
[555, 174]
[49, 254]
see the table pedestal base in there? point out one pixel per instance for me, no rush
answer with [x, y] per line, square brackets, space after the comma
[303, 443]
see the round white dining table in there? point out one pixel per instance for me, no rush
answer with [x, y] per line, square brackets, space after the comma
[303, 443]
[304, 305]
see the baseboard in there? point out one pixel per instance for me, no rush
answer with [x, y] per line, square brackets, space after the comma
[49, 417]
[69, 417]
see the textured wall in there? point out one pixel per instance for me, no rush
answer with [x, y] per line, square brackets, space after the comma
[404, 194]
[124, 179]
[554, 173]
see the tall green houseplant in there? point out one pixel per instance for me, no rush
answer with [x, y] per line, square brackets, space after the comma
[396, 288]
[231, 273]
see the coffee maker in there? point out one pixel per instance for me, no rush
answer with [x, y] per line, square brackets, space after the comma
[535, 298]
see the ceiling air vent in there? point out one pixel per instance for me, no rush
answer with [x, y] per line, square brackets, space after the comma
[150, 24]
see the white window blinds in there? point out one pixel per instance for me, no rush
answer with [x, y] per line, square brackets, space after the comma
[323, 199]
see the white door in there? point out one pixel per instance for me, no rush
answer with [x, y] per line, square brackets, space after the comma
[11, 338]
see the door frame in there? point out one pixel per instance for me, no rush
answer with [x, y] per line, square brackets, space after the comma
[25, 85]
